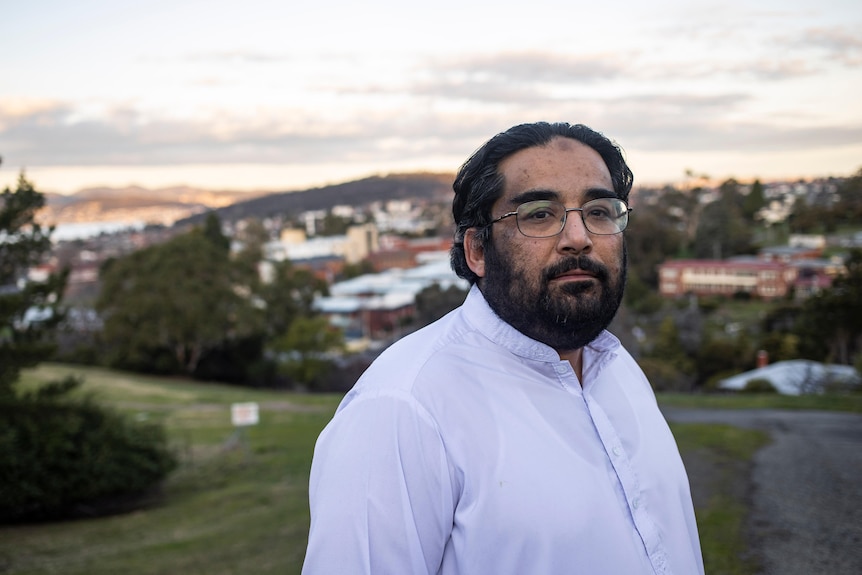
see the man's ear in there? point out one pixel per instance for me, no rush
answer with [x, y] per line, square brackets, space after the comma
[474, 252]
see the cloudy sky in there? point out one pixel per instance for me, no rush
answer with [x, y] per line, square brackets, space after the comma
[279, 95]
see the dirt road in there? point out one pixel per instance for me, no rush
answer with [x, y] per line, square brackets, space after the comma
[806, 488]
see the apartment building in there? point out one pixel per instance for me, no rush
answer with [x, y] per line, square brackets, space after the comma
[770, 275]
[762, 279]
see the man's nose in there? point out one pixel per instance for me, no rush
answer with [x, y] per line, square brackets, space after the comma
[574, 236]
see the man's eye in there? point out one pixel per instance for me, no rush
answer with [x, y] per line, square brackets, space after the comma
[599, 213]
[539, 214]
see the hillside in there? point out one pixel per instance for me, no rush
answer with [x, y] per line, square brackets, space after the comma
[134, 204]
[186, 205]
[355, 193]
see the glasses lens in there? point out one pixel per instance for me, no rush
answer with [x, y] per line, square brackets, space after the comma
[605, 216]
[540, 219]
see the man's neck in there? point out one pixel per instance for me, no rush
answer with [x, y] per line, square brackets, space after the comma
[576, 358]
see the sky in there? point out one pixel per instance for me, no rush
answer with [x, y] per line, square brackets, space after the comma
[284, 95]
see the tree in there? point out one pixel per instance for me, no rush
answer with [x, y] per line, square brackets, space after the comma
[641, 298]
[304, 347]
[165, 307]
[334, 225]
[290, 295]
[753, 202]
[669, 347]
[717, 356]
[722, 230]
[29, 310]
[357, 269]
[653, 236]
[433, 302]
[212, 231]
[252, 236]
[830, 323]
[61, 453]
[849, 206]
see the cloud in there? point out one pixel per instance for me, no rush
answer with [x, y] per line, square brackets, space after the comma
[757, 69]
[657, 127]
[61, 135]
[537, 67]
[839, 43]
[442, 104]
[520, 75]
[543, 78]
[525, 78]
[239, 57]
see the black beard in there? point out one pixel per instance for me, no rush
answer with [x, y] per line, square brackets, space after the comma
[567, 320]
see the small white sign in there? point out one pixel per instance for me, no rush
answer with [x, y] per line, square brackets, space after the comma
[244, 414]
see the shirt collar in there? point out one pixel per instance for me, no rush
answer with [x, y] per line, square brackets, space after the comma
[488, 323]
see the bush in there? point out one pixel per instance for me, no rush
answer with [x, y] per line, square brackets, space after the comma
[664, 376]
[759, 385]
[718, 356]
[67, 457]
[711, 384]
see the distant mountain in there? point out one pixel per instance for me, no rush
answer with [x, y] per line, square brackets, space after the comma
[355, 193]
[134, 204]
[185, 205]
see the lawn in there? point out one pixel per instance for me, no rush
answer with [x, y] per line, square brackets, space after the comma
[238, 502]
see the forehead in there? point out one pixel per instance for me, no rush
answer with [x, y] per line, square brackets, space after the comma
[564, 166]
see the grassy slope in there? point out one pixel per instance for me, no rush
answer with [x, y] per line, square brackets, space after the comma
[233, 507]
[848, 402]
[717, 458]
[240, 507]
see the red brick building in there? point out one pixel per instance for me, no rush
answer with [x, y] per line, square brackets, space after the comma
[761, 279]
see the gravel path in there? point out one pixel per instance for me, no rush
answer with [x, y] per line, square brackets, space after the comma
[806, 515]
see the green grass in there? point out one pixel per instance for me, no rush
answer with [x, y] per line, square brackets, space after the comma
[241, 507]
[849, 402]
[722, 453]
[232, 507]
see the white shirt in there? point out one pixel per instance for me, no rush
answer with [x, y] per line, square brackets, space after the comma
[468, 448]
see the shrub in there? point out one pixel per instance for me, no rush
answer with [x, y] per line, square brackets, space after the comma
[664, 375]
[66, 457]
[711, 384]
[759, 385]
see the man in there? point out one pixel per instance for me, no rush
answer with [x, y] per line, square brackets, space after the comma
[515, 435]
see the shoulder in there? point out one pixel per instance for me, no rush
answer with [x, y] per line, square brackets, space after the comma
[429, 353]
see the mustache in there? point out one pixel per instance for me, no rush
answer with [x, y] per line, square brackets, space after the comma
[575, 263]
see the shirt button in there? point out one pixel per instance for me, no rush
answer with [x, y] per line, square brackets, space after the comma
[636, 503]
[616, 450]
[561, 369]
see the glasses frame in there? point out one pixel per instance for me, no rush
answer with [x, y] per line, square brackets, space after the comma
[565, 217]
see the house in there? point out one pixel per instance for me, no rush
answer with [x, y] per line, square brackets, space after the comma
[376, 306]
[357, 244]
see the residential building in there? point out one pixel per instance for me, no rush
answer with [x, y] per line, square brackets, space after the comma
[358, 243]
[763, 279]
[376, 306]
[769, 276]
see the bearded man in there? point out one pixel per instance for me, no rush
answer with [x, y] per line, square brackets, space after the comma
[515, 435]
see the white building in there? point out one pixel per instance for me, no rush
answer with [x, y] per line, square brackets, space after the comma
[357, 244]
[372, 306]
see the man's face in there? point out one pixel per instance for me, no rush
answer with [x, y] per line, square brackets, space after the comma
[563, 290]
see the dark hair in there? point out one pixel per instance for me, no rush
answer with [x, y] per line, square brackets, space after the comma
[479, 183]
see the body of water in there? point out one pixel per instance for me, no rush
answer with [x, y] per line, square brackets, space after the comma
[83, 230]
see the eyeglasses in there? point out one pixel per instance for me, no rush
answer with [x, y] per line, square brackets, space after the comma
[546, 218]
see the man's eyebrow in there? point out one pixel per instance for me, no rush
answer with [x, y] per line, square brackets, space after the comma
[544, 194]
[595, 193]
[533, 195]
